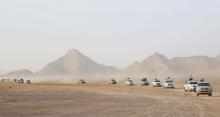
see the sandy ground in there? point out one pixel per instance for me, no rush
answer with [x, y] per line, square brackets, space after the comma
[99, 100]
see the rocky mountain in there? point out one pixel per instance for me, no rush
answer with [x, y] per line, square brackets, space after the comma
[23, 73]
[158, 65]
[76, 65]
[154, 66]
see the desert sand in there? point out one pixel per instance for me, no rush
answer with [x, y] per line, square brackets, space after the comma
[102, 100]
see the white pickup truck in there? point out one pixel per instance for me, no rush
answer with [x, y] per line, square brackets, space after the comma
[129, 82]
[168, 84]
[190, 86]
[156, 83]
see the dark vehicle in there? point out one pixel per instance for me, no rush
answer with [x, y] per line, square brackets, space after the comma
[144, 82]
[28, 82]
[112, 81]
[21, 81]
[81, 82]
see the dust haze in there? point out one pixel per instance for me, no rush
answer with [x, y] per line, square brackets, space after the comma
[109, 58]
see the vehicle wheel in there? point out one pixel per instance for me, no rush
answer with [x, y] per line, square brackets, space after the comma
[197, 94]
[210, 94]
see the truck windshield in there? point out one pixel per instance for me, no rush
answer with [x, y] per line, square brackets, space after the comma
[203, 84]
[169, 81]
[193, 82]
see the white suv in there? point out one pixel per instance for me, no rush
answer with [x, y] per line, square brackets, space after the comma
[129, 82]
[168, 84]
[156, 83]
[190, 86]
[204, 88]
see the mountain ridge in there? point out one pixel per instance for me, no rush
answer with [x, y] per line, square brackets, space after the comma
[158, 65]
[75, 64]
[21, 73]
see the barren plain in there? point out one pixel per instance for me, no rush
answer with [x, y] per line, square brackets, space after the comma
[102, 100]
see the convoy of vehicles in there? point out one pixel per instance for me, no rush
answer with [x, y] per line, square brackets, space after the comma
[199, 87]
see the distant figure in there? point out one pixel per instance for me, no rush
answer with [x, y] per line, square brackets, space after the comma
[190, 78]
[202, 80]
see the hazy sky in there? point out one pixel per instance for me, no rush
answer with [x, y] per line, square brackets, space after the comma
[112, 32]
